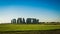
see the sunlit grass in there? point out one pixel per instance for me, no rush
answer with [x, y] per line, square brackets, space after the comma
[21, 27]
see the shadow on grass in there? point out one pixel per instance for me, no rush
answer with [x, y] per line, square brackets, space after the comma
[55, 31]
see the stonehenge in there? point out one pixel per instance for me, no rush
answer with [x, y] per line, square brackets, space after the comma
[23, 21]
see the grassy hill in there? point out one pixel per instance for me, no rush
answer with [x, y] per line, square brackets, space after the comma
[23, 27]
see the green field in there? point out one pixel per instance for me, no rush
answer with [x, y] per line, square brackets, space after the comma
[23, 27]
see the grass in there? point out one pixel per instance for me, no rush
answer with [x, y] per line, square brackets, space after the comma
[23, 27]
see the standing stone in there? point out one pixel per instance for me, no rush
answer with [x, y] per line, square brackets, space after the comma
[34, 20]
[19, 20]
[23, 20]
[37, 20]
[28, 20]
[13, 21]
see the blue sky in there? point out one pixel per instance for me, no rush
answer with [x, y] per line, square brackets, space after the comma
[44, 10]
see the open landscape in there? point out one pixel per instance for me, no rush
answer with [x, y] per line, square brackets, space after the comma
[29, 16]
[29, 29]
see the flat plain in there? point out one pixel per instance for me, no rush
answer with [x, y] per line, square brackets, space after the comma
[29, 29]
[23, 27]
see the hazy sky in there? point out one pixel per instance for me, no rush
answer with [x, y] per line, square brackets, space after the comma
[44, 10]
